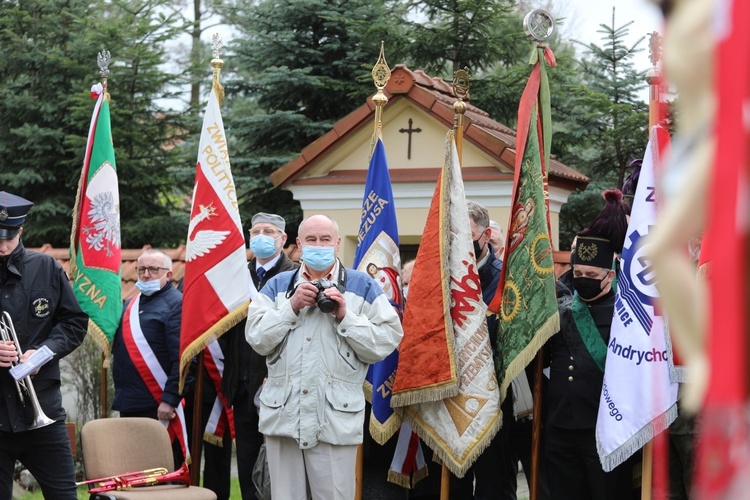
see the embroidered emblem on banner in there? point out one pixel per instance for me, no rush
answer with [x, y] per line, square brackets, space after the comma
[103, 233]
[201, 243]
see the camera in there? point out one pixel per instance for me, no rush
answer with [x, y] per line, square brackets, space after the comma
[325, 304]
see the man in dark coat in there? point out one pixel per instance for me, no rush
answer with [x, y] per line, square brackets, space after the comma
[36, 293]
[577, 356]
[146, 350]
[245, 369]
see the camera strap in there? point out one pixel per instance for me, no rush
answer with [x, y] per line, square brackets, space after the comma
[340, 280]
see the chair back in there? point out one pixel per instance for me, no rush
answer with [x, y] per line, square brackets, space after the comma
[113, 446]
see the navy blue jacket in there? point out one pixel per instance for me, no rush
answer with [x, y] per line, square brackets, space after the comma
[489, 277]
[160, 321]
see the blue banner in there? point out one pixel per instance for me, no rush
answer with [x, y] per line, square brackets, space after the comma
[378, 255]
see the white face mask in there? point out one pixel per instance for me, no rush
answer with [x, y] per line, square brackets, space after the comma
[148, 288]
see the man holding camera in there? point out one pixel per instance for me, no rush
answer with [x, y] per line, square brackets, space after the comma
[319, 327]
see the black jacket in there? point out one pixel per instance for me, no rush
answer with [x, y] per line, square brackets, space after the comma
[160, 316]
[243, 367]
[575, 383]
[37, 294]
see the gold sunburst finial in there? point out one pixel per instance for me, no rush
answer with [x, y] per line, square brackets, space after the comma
[381, 73]
[461, 87]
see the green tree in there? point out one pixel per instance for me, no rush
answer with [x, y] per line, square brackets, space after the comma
[448, 35]
[613, 118]
[609, 123]
[48, 53]
[148, 134]
[301, 65]
[46, 64]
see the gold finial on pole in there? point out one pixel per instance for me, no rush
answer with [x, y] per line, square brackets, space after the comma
[102, 60]
[461, 85]
[216, 64]
[654, 78]
[381, 73]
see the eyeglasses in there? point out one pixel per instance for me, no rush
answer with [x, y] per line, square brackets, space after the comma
[150, 269]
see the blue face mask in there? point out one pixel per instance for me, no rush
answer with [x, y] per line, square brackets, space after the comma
[318, 258]
[263, 246]
[148, 288]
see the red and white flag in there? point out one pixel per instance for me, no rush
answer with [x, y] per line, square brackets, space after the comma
[215, 290]
[723, 458]
[221, 419]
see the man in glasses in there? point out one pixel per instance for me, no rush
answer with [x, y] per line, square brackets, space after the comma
[245, 369]
[146, 349]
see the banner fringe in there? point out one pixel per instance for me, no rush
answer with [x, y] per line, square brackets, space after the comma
[428, 394]
[400, 479]
[419, 475]
[217, 330]
[542, 335]
[381, 433]
[404, 480]
[637, 441]
[101, 339]
[213, 439]
[438, 448]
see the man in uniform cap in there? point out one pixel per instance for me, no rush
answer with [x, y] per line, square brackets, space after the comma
[36, 293]
[245, 369]
[578, 353]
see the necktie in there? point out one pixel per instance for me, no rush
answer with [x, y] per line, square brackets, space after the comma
[261, 271]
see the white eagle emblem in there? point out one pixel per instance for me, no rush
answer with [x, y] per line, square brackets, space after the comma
[104, 216]
[202, 242]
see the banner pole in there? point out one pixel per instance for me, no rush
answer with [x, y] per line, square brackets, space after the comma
[103, 388]
[654, 80]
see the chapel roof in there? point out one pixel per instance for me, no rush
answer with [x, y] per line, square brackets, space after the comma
[435, 97]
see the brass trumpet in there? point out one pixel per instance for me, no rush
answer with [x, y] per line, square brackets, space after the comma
[148, 477]
[25, 385]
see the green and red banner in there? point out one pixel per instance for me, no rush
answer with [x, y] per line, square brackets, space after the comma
[95, 251]
[525, 299]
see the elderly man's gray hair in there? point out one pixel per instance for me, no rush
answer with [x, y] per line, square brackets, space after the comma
[478, 214]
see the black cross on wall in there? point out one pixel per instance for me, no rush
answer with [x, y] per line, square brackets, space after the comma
[409, 131]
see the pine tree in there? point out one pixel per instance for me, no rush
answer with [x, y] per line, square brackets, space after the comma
[448, 35]
[610, 123]
[614, 118]
[302, 65]
[45, 60]
[148, 135]
[48, 54]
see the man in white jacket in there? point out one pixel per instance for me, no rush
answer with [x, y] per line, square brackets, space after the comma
[319, 327]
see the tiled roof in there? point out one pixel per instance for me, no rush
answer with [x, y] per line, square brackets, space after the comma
[129, 261]
[130, 257]
[435, 97]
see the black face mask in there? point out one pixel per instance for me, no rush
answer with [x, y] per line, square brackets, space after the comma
[588, 288]
[477, 250]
